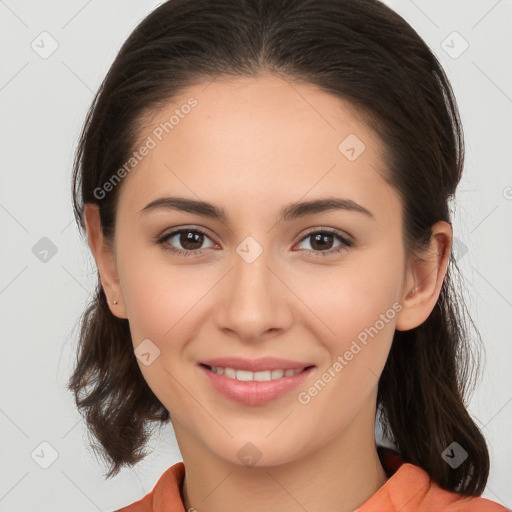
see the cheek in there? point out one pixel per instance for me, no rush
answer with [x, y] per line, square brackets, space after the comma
[357, 307]
[352, 298]
[163, 306]
[160, 298]
[363, 322]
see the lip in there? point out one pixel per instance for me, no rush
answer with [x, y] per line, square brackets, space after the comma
[256, 365]
[254, 392]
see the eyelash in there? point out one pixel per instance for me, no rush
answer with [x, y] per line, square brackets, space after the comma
[345, 243]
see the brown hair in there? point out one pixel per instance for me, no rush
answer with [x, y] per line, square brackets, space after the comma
[360, 51]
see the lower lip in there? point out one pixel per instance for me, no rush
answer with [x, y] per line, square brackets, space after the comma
[254, 392]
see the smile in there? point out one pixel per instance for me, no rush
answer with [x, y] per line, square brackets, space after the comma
[254, 388]
[261, 376]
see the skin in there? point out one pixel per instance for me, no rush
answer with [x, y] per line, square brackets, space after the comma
[251, 146]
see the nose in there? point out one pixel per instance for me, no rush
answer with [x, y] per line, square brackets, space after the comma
[254, 299]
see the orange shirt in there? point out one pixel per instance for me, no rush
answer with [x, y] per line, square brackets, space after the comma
[408, 489]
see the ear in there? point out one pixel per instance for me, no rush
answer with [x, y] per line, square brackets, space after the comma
[424, 279]
[104, 255]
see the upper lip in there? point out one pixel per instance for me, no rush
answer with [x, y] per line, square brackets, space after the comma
[256, 365]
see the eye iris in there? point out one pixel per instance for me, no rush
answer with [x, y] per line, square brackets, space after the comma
[190, 237]
[318, 238]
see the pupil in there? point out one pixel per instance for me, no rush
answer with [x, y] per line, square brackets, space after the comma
[318, 238]
[187, 237]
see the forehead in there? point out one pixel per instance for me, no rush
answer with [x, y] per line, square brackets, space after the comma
[266, 137]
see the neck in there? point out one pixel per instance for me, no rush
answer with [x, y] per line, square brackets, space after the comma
[339, 477]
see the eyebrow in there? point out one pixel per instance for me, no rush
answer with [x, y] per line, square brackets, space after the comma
[288, 212]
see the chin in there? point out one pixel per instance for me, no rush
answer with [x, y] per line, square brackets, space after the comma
[260, 452]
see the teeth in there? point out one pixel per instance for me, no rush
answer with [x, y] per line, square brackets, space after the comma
[229, 372]
[245, 375]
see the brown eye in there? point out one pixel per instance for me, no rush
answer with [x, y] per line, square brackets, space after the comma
[190, 240]
[322, 242]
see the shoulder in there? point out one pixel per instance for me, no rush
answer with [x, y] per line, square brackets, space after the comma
[165, 495]
[410, 488]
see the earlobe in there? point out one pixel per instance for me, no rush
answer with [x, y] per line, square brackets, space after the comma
[104, 256]
[425, 278]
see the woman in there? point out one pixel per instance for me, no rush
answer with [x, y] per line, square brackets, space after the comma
[265, 188]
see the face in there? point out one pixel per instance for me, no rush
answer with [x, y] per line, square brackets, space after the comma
[320, 287]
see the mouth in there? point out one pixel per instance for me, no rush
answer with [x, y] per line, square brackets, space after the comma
[259, 376]
[254, 388]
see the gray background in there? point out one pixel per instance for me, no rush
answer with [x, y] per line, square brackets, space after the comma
[43, 100]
